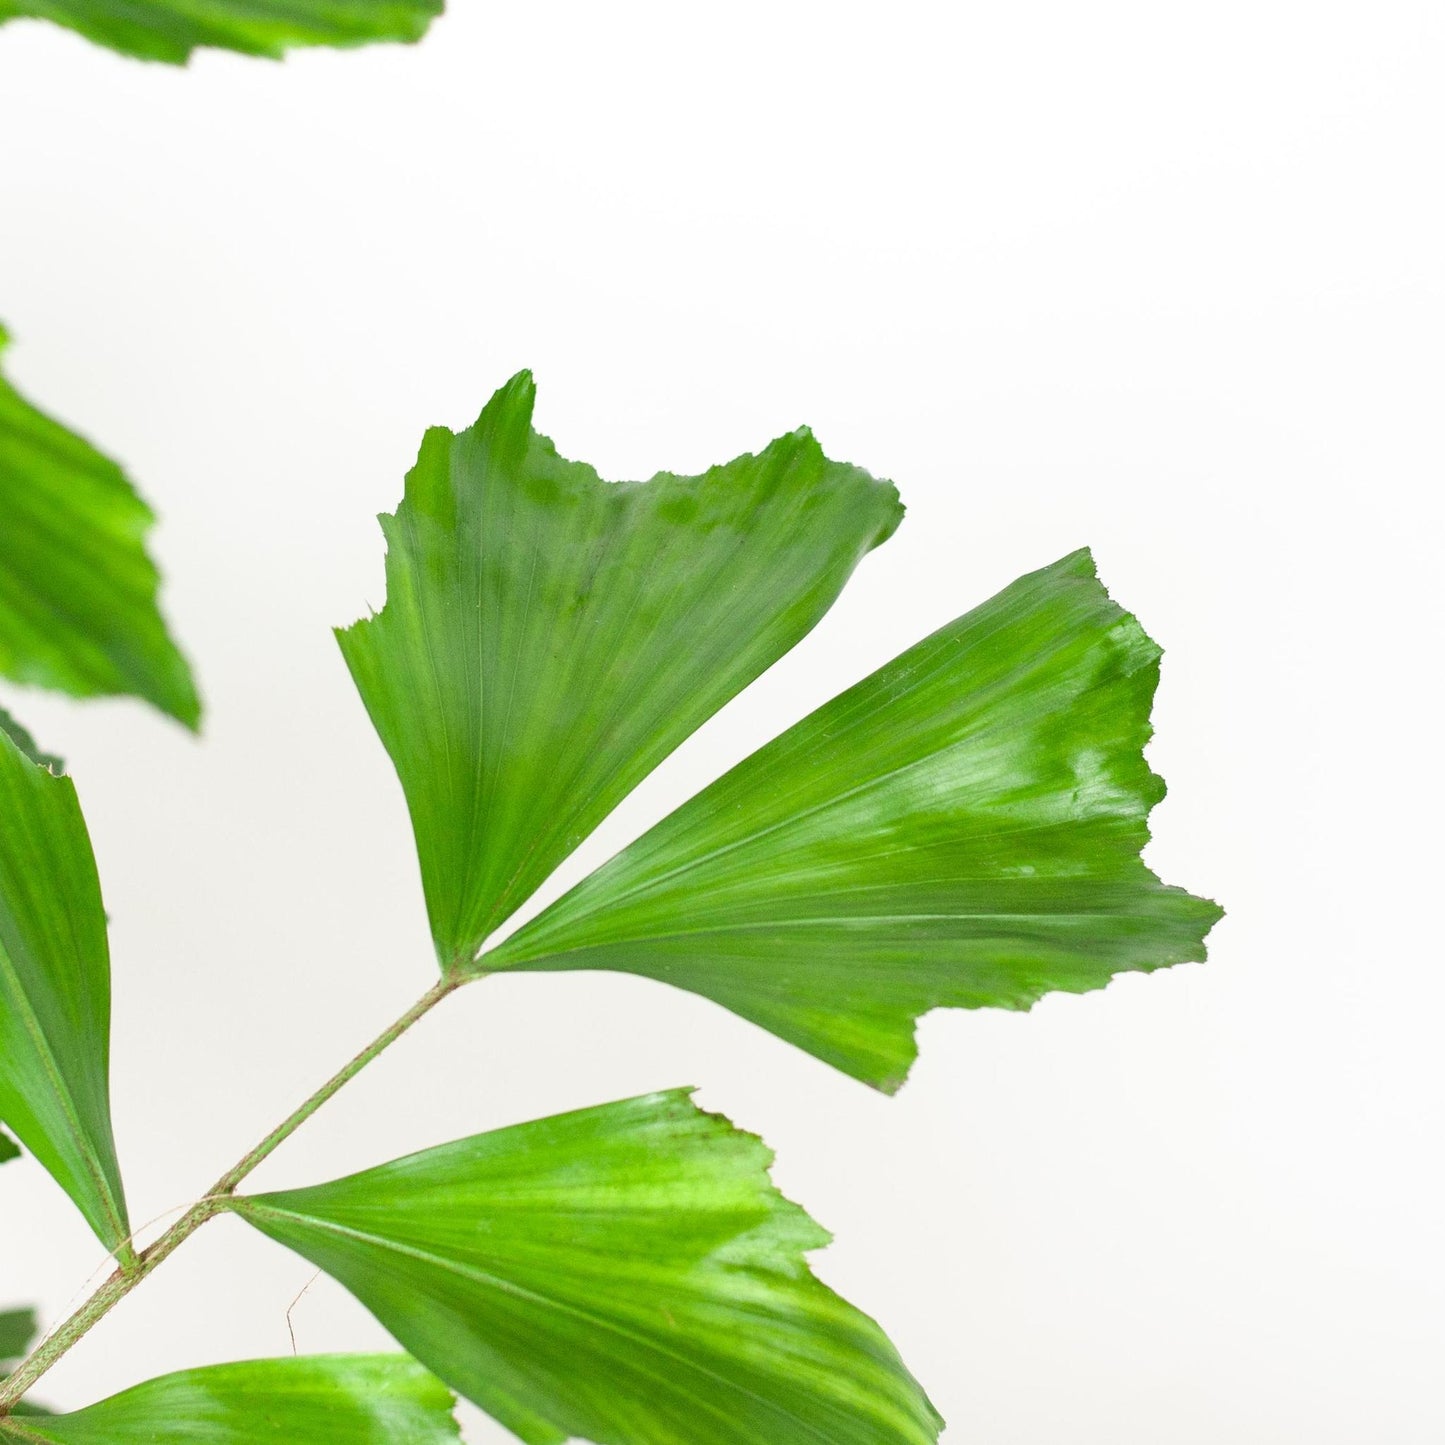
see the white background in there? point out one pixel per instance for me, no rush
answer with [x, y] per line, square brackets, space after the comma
[1164, 279]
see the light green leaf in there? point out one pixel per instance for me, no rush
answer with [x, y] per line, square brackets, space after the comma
[55, 991]
[318, 1400]
[9, 1149]
[17, 1329]
[20, 736]
[171, 29]
[625, 1274]
[961, 828]
[548, 637]
[77, 590]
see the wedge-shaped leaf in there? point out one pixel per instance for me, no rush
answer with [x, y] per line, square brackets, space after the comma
[77, 590]
[318, 1400]
[171, 29]
[626, 1275]
[9, 1149]
[20, 736]
[962, 828]
[55, 991]
[548, 637]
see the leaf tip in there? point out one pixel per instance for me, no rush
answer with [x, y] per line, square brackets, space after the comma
[517, 395]
[189, 711]
[18, 737]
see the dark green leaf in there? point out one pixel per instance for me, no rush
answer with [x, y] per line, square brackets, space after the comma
[548, 637]
[9, 1149]
[17, 1329]
[626, 1275]
[20, 736]
[55, 991]
[77, 590]
[962, 828]
[171, 29]
[321, 1400]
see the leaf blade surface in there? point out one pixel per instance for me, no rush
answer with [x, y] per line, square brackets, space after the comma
[20, 735]
[55, 991]
[170, 30]
[549, 637]
[78, 591]
[309, 1400]
[626, 1275]
[962, 828]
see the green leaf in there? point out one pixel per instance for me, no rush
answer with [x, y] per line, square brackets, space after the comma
[961, 828]
[55, 991]
[625, 1274]
[319, 1400]
[20, 736]
[17, 1329]
[170, 30]
[548, 637]
[9, 1149]
[77, 590]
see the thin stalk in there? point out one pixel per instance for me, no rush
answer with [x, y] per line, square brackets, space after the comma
[125, 1279]
[227, 1183]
